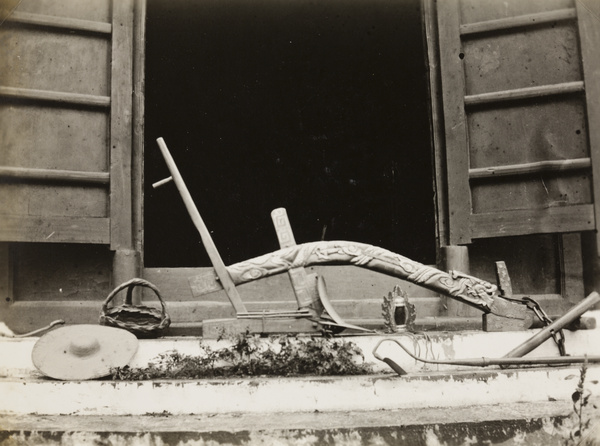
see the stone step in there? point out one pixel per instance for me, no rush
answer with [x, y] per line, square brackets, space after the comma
[26, 391]
[289, 395]
[430, 405]
[15, 353]
[543, 424]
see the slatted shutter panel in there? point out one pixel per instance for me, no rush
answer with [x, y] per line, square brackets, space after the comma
[520, 84]
[65, 121]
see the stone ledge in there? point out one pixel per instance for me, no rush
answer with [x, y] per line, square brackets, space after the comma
[544, 423]
[15, 354]
[291, 395]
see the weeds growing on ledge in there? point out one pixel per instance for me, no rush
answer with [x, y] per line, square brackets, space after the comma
[249, 355]
[581, 403]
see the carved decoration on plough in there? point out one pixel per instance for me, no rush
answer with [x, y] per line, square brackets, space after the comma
[470, 290]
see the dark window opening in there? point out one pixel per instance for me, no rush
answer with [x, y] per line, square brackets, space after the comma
[316, 106]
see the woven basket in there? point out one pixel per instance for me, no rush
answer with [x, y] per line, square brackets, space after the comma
[141, 320]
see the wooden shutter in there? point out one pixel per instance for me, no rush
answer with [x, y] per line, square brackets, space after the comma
[65, 121]
[520, 84]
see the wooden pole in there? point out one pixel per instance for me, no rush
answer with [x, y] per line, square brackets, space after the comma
[207, 240]
[544, 334]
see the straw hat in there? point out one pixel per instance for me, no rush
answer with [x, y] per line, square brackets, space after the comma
[79, 352]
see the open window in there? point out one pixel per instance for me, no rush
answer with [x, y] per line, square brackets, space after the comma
[318, 107]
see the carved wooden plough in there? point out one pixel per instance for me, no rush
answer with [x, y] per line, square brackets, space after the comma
[315, 312]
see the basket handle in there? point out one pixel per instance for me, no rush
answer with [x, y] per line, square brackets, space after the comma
[130, 285]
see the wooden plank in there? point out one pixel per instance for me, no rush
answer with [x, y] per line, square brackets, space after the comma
[351, 299]
[22, 317]
[347, 281]
[524, 93]
[532, 262]
[56, 97]
[54, 229]
[121, 228]
[474, 11]
[26, 316]
[47, 175]
[52, 200]
[61, 138]
[355, 310]
[552, 304]
[540, 56]
[437, 120]
[504, 282]
[571, 267]
[588, 14]
[531, 192]
[528, 132]
[29, 52]
[78, 272]
[137, 172]
[511, 23]
[430, 323]
[343, 281]
[218, 328]
[66, 23]
[530, 168]
[175, 280]
[533, 221]
[369, 306]
[457, 157]
[184, 282]
[93, 10]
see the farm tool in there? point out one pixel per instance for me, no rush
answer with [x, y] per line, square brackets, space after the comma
[515, 356]
[315, 312]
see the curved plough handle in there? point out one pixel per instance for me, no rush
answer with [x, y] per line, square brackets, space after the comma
[470, 290]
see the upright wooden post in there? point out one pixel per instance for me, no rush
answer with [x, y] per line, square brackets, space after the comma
[455, 122]
[126, 266]
[456, 258]
[125, 262]
[137, 164]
